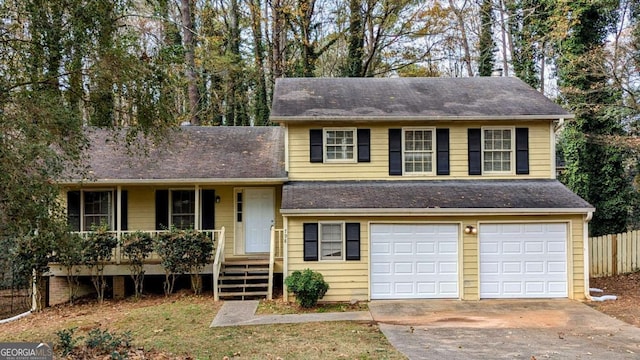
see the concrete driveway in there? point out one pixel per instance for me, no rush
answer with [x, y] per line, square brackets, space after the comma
[504, 329]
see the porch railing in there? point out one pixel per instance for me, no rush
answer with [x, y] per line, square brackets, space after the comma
[118, 255]
[218, 260]
[275, 251]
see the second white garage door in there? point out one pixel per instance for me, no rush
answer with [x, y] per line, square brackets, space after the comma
[523, 260]
[413, 261]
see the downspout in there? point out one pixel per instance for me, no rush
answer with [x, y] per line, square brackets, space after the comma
[585, 234]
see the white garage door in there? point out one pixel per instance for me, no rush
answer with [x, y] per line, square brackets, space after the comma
[523, 260]
[412, 261]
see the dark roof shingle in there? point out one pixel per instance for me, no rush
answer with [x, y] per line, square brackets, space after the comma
[429, 195]
[410, 98]
[193, 152]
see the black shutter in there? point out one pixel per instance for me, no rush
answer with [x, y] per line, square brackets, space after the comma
[124, 210]
[395, 151]
[475, 151]
[208, 209]
[522, 151]
[364, 145]
[162, 209]
[315, 145]
[73, 210]
[310, 233]
[353, 241]
[442, 149]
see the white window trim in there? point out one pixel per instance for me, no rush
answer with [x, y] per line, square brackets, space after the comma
[433, 151]
[513, 150]
[339, 161]
[342, 238]
[195, 212]
[82, 206]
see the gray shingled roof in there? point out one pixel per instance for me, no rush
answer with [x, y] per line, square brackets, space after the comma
[410, 99]
[430, 196]
[193, 152]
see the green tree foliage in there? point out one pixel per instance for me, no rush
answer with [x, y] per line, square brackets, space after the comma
[595, 170]
[486, 43]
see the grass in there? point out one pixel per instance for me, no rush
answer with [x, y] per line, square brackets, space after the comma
[179, 326]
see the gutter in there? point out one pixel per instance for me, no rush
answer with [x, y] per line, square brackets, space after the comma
[436, 211]
[200, 181]
[385, 118]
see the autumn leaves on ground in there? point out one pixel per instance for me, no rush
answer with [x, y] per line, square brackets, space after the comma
[178, 327]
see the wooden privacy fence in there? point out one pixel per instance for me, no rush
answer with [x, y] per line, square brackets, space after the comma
[614, 254]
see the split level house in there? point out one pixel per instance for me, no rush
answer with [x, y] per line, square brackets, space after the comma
[395, 188]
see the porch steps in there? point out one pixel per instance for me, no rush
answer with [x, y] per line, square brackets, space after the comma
[244, 279]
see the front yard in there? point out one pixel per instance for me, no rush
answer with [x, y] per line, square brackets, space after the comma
[178, 327]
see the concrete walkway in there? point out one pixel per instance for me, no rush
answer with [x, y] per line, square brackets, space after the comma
[239, 313]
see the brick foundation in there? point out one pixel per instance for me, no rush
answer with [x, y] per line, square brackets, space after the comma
[118, 287]
[59, 290]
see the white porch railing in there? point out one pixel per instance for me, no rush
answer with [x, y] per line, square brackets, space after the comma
[118, 256]
[275, 251]
[218, 260]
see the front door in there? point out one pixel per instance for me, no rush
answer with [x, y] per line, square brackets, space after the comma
[259, 216]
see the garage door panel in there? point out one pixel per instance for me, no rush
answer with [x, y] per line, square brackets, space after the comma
[426, 248]
[423, 261]
[523, 260]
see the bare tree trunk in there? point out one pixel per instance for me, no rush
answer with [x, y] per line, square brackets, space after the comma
[261, 112]
[189, 59]
[542, 66]
[503, 33]
[278, 39]
[463, 34]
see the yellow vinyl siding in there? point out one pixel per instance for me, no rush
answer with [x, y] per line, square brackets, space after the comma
[142, 208]
[349, 280]
[300, 168]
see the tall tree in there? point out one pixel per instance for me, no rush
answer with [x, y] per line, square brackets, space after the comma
[188, 39]
[486, 43]
[355, 52]
[595, 170]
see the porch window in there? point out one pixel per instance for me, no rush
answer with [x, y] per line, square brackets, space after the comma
[183, 209]
[418, 151]
[339, 145]
[331, 241]
[497, 150]
[87, 209]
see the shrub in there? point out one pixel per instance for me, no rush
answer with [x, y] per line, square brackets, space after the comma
[308, 286]
[137, 246]
[66, 341]
[97, 254]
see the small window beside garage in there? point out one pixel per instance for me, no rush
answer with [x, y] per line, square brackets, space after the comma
[328, 241]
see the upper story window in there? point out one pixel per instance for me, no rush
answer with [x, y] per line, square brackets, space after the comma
[183, 205]
[497, 150]
[418, 151]
[339, 145]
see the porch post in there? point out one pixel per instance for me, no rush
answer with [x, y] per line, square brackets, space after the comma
[118, 222]
[197, 221]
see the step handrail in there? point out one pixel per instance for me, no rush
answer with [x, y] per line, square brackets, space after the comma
[272, 260]
[217, 263]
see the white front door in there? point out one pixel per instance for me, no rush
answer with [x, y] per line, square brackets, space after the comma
[523, 260]
[259, 216]
[414, 261]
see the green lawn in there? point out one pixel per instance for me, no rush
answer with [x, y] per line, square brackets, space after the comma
[180, 326]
